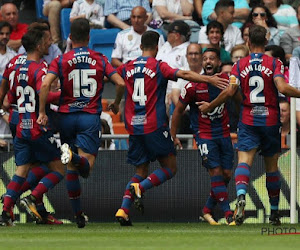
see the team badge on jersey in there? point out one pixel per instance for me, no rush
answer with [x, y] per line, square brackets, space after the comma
[130, 37]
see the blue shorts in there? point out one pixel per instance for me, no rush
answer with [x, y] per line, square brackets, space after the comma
[216, 152]
[44, 149]
[149, 147]
[80, 130]
[266, 139]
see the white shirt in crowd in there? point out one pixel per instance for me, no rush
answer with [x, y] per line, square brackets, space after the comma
[127, 45]
[5, 58]
[232, 37]
[93, 12]
[175, 57]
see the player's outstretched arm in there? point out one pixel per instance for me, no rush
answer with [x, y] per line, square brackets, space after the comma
[191, 76]
[44, 91]
[180, 107]
[286, 89]
[206, 107]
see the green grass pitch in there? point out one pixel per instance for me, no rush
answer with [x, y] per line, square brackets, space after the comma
[147, 236]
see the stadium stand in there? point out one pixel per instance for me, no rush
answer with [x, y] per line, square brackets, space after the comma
[39, 9]
[65, 23]
[103, 40]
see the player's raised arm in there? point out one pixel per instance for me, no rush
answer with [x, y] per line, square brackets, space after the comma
[44, 92]
[285, 88]
[215, 80]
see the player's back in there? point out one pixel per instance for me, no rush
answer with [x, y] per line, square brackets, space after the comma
[146, 82]
[256, 75]
[27, 82]
[81, 72]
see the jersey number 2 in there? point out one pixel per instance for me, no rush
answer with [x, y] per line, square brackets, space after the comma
[139, 91]
[258, 83]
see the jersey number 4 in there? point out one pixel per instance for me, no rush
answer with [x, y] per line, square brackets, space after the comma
[83, 83]
[139, 92]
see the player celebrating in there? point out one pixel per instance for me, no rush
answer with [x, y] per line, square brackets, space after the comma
[260, 78]
[146, 121]
[211, 133]
[32, 143]
[81, 73]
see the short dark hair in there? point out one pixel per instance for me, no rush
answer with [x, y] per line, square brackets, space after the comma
[214, 24]
[257, 35]
[150, 39]
[222, 4]
[32, 38]
[277, 52]
[216, 51]
[80, 30]
[5, 24]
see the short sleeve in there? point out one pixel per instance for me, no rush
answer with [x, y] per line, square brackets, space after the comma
[168, 72]
[187, 94]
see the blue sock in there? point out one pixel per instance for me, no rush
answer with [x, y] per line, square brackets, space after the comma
[158, 177]
[127, 198]
[74, 190]
[273, 185]
[242, 176]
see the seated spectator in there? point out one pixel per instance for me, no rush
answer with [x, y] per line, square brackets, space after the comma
[10, 14]
[284, 14]
[127, 44]
[224, 10]
[241, 11]
[53, 50]
[238, 52]
[291, 38]
[106, 143]
[90, 10]
[260, 15]
[5, 52]
[215, 32]
[117, 12]
[52, 9]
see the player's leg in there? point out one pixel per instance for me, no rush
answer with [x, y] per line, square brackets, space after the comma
[137, 156]
[122, 214]
[270, 150]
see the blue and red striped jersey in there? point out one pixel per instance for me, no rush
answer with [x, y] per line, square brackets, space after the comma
[213, 125]
[255, 74]
[27, 83]
[81, 72]
[146, 83]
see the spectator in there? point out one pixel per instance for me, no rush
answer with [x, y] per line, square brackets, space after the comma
[5, 52]
[197, 14]
[118, 12]
[260, 15]
[224, 10]
[127, 44]
[241, 11]
[173, 51]
[215, 32]
[89, 9]
[293, 3]
[291, 38]
[105, 130]
[52, 9]
[284, 14]
[10, 14]
[245, 31]
[53, 50]
[238, 52]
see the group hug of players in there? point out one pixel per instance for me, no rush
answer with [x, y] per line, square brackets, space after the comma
[41, 164]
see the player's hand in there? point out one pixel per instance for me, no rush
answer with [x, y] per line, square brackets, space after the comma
[42, 119]
[177, 143]
[203, 107]
[114, 108]
[219, 82]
